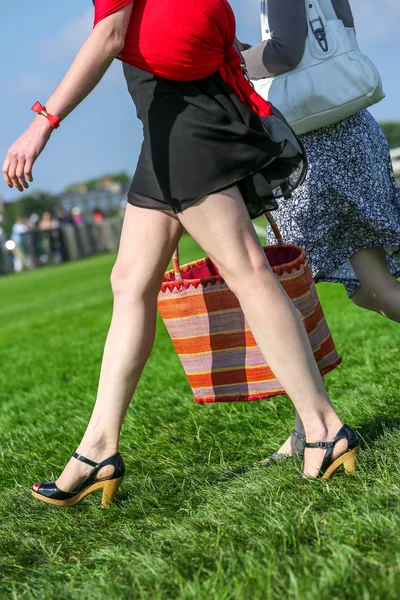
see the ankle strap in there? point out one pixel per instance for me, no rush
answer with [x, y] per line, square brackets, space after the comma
[299, 435]
[324, 445]
[83, 459]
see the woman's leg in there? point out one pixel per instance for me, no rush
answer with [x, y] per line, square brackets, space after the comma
[379, 291]
[221, 225]
[148, 240]
[293, 446]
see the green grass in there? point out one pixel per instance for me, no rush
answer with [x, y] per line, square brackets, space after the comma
[194, 519]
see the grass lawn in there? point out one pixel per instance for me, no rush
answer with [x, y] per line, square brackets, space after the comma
[195, 518]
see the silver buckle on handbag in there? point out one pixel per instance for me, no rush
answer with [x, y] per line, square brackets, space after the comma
[320, 35]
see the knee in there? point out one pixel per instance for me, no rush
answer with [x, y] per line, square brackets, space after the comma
[121, 281]
[378, 297]
[131, 284]
[239, 276]
[364, 299]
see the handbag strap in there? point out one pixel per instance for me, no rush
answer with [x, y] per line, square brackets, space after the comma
[175, 257]
[313, 14]
[327, 9]
[176, 265]
[264, 21]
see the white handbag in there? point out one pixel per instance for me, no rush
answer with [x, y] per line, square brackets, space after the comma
[333, 80]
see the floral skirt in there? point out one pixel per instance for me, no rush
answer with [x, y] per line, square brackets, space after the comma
[349, 201]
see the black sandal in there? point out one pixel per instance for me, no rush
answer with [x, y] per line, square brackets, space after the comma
[277, 456]
[347, 458]
[50, 493]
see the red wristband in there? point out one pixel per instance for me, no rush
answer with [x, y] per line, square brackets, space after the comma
[41, 110]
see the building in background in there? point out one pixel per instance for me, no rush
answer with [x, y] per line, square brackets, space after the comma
[109, 197]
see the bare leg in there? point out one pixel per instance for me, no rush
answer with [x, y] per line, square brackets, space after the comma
[379, 291]
[293, 445]
[147, 243]
[221, 225]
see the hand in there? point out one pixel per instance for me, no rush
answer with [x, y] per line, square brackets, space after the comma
[22, 154]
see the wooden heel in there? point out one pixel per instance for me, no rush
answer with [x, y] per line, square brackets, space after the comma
[50, 493]
[110, 490]
[348, 460]
[350, 464]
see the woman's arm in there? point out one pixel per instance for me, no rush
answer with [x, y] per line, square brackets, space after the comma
[344, 12]
[104, 43]
[288, 27]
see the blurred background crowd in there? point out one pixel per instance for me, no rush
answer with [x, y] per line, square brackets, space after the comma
[42, 229]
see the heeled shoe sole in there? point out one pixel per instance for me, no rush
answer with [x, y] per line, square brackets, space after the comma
[110, 489]
[348, 460]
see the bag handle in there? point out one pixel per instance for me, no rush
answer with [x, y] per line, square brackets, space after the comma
[175, 257]
[327, 9]
[275, 228]
[264, 21]
[176, 265]
[325, 6]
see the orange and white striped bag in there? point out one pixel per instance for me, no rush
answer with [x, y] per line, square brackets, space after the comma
[218, 352]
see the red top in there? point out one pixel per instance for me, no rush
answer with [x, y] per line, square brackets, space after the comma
[184, 40]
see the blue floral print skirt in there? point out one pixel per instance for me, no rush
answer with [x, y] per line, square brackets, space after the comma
[350, 200]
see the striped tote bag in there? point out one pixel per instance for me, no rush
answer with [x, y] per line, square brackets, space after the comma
[218, 352]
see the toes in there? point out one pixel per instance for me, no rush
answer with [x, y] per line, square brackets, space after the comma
[35, 487]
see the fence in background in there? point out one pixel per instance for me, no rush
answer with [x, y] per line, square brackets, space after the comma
[51, 246]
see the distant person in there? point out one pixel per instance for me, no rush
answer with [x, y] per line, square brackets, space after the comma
[206, 166]
[98, 215]
[77, 217]
[347, 213]
[64, 216]
[33, 222]
[17, 231]
[48, 221]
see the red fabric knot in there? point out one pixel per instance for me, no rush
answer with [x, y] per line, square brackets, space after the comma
[197, 41]
[231, 72]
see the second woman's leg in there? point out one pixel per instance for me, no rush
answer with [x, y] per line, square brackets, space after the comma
[294, 444]
[221, 225]
[148, 240]
[379, 291]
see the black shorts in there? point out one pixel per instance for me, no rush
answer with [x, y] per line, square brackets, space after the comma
[199, 139]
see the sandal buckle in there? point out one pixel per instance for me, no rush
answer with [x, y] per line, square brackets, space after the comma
[323, 445]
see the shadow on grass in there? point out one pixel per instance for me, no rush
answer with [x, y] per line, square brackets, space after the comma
[372, 430]
[176, 496]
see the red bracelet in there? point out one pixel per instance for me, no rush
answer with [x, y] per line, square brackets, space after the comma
[41, 110]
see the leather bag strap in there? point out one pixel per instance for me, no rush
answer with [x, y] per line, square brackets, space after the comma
[265, 35]
[326, 7]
